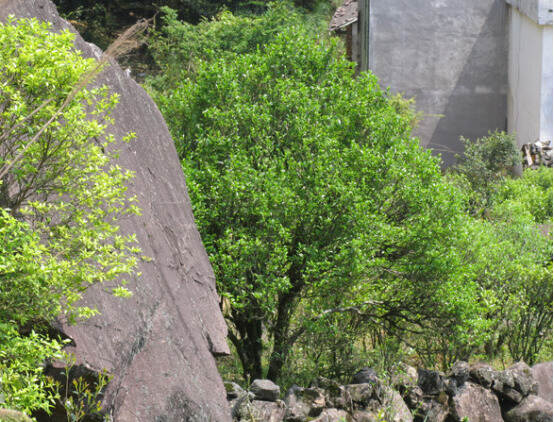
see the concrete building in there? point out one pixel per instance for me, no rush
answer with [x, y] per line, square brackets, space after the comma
[457, 59]
[530, 70]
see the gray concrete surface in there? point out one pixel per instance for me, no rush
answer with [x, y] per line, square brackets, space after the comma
[451, 56]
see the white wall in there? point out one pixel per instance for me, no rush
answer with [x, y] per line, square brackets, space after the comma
[529, 78]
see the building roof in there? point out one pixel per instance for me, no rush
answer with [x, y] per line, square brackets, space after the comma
[345, 15]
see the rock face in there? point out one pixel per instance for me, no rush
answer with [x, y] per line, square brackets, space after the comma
[543, 375]
[531, 409]
[265, 390]
[476, 404]
[159, 343]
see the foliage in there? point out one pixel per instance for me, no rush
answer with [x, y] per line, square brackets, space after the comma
[484, 163]
[60, 197]
[532, 192]
[83, 398]
[100, 21]
[311, 195]
[177, 46]
[23, 385]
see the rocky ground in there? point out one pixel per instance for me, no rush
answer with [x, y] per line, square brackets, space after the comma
[472, 393]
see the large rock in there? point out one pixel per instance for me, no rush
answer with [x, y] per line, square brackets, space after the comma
[336, 395]
[7, 415]
[431, 382]
[303, 403]
[333, 415]
[158, 344]
[259, 411]
[476, 404]
[394, 407]
[265, 390]
[514, 383]
[531, 409]
[543, 375]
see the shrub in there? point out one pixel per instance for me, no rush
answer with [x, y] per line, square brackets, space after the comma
[60, 198]
[484, 163]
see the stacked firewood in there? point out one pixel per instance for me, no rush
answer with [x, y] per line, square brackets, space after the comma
[537, 154]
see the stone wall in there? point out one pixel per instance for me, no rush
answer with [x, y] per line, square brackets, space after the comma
[475, 393]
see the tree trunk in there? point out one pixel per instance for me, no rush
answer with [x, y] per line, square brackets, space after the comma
[281, 331]
[249, 345]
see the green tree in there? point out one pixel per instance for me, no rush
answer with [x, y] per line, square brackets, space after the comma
[177, 46]
[311, 196]
[60, 198]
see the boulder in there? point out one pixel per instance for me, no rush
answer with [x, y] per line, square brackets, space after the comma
[7, 415]
[265, 390]
[524, 381]
[302, 403]
[476, 404]
[259, 411]
[333, 415]
[542, 373]
[531, 409]
[460, 372]
[233, 390]
[431, 382]
[482, 374]
[394, 408]
[336, 395]
[364, 376]
[158, 344]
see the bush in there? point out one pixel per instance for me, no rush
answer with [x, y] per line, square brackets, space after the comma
[486, 162]
[60, 198]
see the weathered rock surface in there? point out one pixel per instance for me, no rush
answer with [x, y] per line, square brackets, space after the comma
[364, 376]
[259, 410]
[7, 415]
[531, 409]
[159, 343]
[543, 375]
[395, 408]
[476, 404]
[233, 390]
[303, 403]
[333, 415]
[265, 390]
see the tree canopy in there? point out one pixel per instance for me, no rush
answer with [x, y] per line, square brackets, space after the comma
[309, 190]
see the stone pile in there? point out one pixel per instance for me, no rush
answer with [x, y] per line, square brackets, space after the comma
[473, 393]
